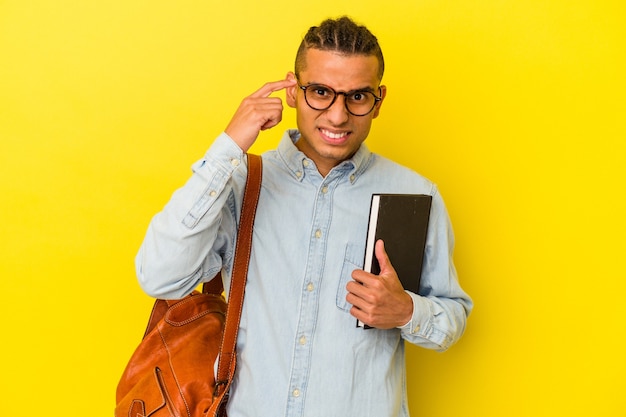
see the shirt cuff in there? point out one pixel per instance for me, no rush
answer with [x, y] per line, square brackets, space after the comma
[224, 148]
[420, 318]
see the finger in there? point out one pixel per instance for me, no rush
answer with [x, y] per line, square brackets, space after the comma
[272, 87]
[382, 257]
[366, 292]
[356, 288]
[271, 122]
[358, 314]
[358, 301]
[363, 278]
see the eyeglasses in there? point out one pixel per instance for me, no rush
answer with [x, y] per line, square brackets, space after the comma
[357, 102]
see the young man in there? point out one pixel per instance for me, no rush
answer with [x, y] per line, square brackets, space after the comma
[299, 350]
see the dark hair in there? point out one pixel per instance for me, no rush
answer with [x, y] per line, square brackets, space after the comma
[342, 35]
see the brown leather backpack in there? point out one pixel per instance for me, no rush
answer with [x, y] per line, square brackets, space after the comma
[171, 373]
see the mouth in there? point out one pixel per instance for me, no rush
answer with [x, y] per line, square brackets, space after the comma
[334, 137]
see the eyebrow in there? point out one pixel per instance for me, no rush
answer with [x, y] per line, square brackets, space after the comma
[356, 90]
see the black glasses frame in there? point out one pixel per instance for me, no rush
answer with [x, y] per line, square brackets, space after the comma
[345, 95]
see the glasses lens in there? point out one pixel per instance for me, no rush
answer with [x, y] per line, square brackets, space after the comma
[360, 103]
[319, 97]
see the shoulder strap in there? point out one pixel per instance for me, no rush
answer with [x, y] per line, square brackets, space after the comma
[240, 271]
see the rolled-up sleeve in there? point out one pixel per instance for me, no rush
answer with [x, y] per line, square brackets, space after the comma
[190, 240]
[441, 309]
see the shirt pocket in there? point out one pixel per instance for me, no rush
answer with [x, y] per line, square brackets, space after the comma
[353, 259]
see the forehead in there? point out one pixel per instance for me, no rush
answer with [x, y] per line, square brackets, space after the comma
[340, 71]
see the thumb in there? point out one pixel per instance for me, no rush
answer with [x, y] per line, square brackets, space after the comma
[383, 258]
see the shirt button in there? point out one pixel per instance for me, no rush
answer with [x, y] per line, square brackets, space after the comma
[310, 287]
[234, 162]
[212, 193]
[416, 329]
[298, 174]
[324, 190]
[296, 392]
[302, 340]
[318, 233]
[305, 163]
[352, 177]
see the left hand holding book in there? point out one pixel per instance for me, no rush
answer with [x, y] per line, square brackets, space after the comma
[379, 300]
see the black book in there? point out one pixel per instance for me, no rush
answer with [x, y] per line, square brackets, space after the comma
[401, 221]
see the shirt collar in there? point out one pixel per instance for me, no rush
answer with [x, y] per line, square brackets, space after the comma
[296, 161]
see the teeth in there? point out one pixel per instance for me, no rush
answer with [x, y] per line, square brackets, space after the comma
[333, 135]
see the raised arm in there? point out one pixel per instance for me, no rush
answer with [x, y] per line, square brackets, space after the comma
[192, 238]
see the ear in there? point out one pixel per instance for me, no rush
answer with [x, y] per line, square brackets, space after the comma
[383, 93]
[291, 92]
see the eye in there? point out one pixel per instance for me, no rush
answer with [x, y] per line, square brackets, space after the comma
[359, 96]
[320, 92]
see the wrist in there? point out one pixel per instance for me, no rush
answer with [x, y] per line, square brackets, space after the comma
[408, 311]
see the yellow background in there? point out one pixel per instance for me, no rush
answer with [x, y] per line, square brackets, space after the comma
[516, 109]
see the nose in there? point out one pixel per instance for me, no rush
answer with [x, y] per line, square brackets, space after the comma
[338, 112]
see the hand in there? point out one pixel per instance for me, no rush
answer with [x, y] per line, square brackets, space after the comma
[379, 300]
[257, 112]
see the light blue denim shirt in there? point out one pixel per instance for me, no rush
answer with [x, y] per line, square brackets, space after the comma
[299, 350]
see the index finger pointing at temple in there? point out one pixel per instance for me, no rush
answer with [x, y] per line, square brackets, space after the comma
[272, 87]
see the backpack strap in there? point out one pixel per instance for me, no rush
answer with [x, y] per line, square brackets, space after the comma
[226, 364]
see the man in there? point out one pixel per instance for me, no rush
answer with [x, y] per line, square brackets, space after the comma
[299, 350]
